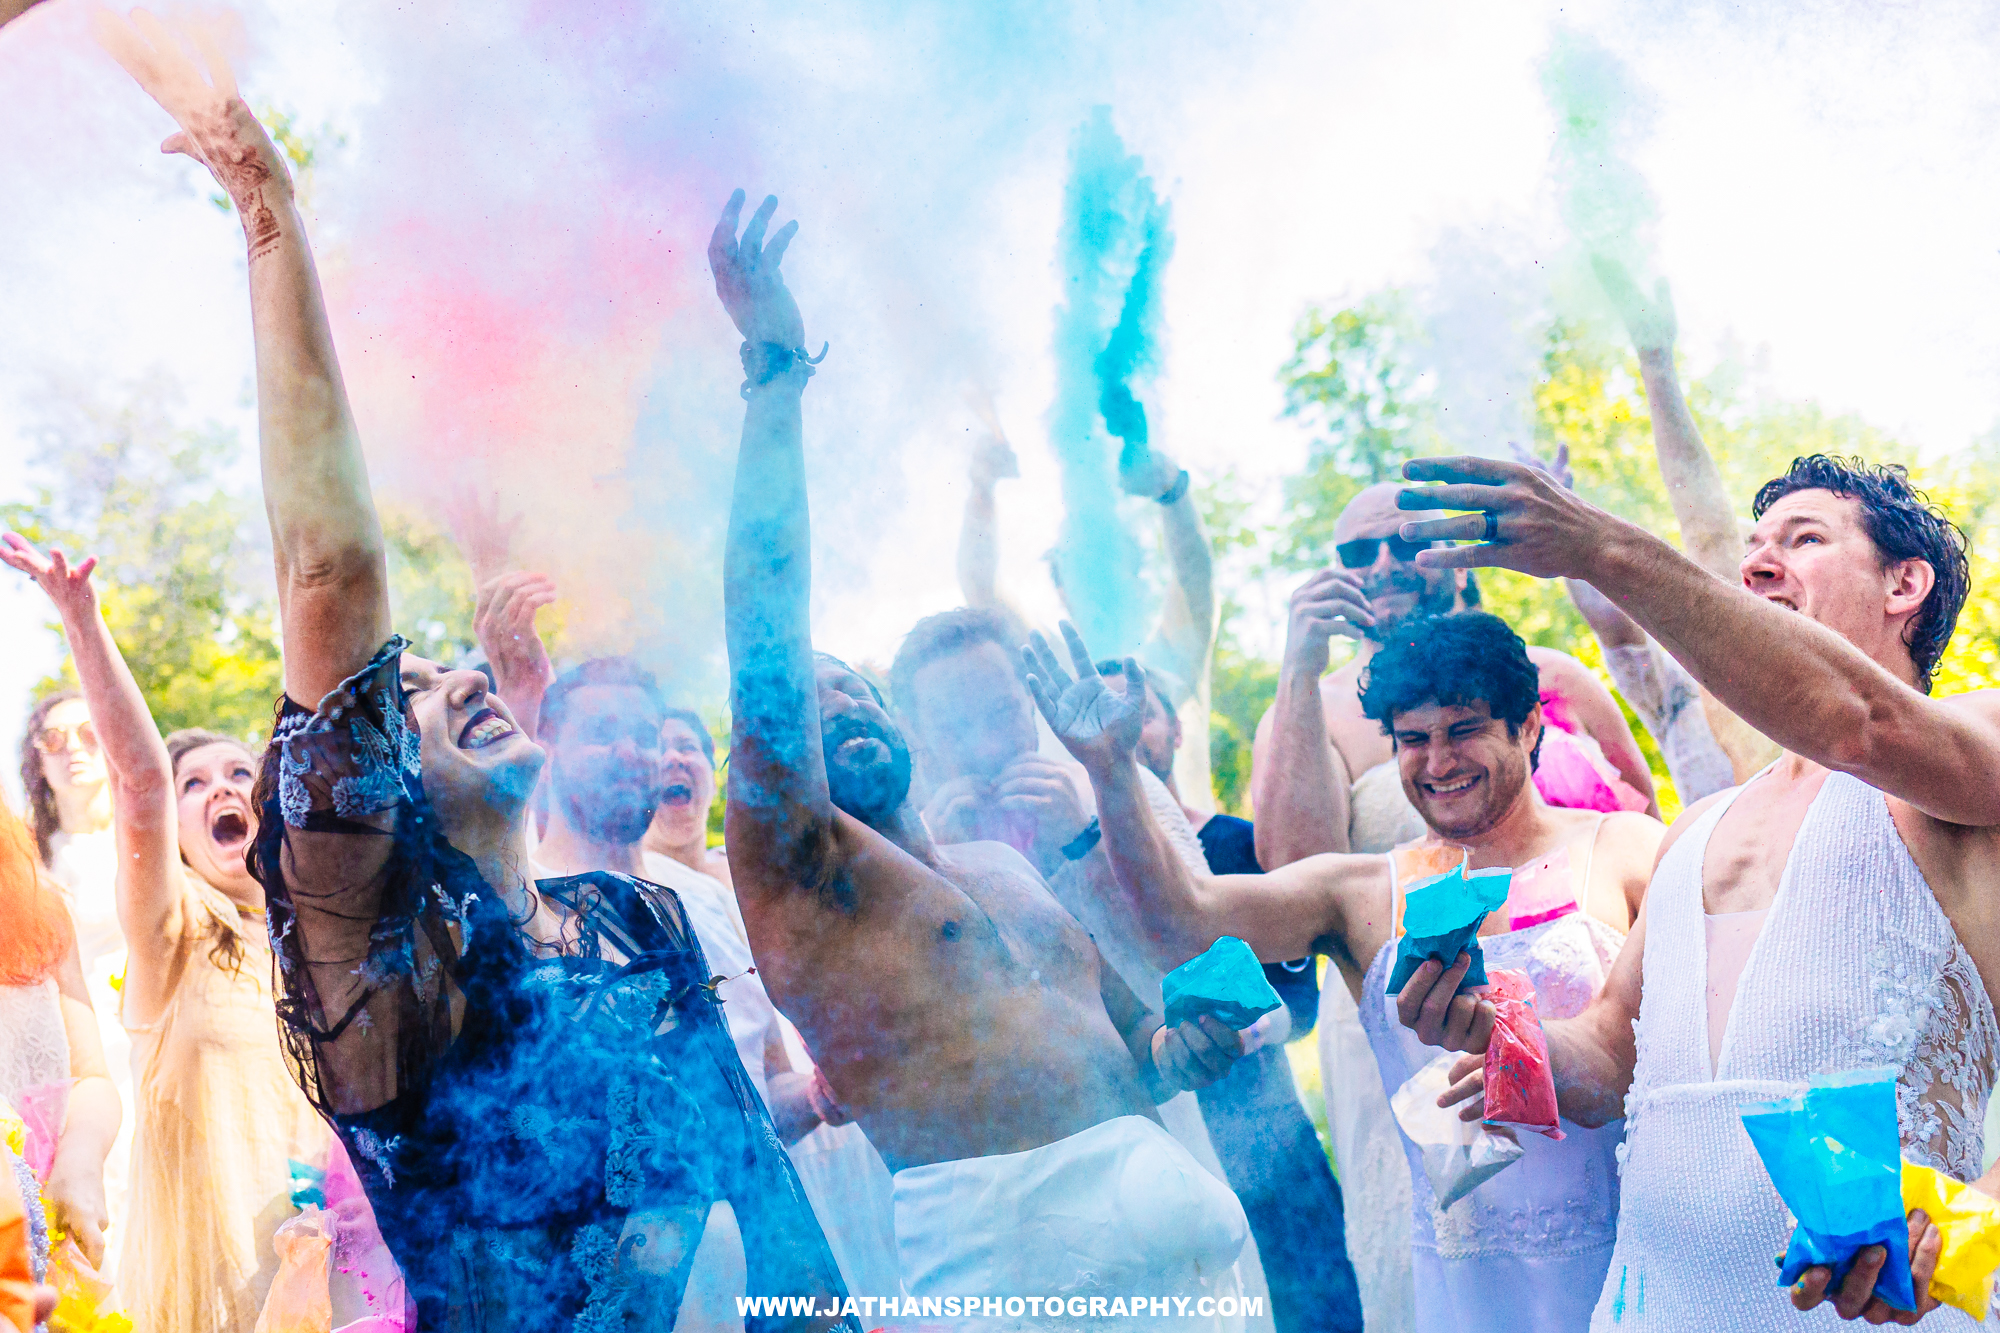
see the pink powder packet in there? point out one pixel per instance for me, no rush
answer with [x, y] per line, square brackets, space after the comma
[1541, 891]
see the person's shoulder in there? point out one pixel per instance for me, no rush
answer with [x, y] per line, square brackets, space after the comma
[1554, 662]
[1984, 704]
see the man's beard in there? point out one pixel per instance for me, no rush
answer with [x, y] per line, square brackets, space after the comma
[870, 792]
[1439, 599]
[617, 815]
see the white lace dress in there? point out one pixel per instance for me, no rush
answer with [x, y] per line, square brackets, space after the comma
[1856, 966]
[1528, 1249]
[34, 1049]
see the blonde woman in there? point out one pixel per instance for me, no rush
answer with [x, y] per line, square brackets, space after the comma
[219, 1119]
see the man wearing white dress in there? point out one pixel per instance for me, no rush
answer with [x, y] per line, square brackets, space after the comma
[1837, 912]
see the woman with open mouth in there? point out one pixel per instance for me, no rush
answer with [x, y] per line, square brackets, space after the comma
[533, 1080]
[219, 1119]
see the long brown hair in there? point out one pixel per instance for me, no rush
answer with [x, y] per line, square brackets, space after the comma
[225, 949]
[42, 812]
[38, 932]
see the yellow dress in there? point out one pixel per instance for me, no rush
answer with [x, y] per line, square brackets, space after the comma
[219, 1122]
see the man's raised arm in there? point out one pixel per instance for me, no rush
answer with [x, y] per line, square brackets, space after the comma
[778, 800]
[1694, 483]
[1282, 915]
[332, 576]
[1791, 678]
[1297, 779]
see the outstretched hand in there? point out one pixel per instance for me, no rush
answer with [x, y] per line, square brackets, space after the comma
[1649, 319]
[1095, 723]
[216, 128]
[1530, 522]
[747, 278]
[70, 589]
[484, 538]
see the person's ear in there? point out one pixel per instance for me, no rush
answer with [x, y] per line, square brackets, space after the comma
[1531, 728]
[1906, 584]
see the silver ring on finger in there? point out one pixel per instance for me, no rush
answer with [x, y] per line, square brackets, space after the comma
[1492, 533]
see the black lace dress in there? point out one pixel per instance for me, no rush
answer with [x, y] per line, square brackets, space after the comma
[542, 1137]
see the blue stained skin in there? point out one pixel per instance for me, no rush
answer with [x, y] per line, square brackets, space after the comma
[1116, 240]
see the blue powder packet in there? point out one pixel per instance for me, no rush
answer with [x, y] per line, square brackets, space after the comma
[1226, 980]
[1441, 919]
[1836, 1158]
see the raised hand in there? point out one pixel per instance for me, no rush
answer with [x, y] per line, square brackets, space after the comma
[70, 589]
[1147, 473]
[503, 619]
[1330, 602]
[1095, 723]
[993, 460]
[1649, 319]
[484, 538]
[1529, 521]
[1557, 467]
[216, 128]
[747, 278]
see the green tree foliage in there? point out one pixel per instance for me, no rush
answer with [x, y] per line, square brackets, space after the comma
[1355, 379]
[144, 495]
[430, 586]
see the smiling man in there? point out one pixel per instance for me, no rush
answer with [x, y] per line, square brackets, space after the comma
[1458, 700]
[1835, 913]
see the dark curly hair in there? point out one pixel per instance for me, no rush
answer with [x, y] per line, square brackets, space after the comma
[1466, 658]
[1904, 525]
[43, 817]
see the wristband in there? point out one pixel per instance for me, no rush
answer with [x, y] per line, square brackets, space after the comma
[764, 362]
[1174, 492]
[1079, 847]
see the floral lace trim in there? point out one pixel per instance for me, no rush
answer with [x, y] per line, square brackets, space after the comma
[1464, 1230]
[357, 744]
[1938, 1027]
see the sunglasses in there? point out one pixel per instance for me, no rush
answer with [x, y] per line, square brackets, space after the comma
[58, 740]
[1362, 551]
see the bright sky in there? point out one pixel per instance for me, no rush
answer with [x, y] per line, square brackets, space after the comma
[1828, 177]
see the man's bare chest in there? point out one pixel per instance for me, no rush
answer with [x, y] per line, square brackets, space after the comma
[1747, 852]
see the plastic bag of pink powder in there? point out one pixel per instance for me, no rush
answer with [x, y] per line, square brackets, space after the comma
[1520, 1085]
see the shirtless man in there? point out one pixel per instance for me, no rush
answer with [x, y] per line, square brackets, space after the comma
[955, 1008]
[1377, 585]
[1458, 698]
[1861, 865]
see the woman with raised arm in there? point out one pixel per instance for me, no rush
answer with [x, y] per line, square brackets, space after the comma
[218, 1119]
[534, 1081]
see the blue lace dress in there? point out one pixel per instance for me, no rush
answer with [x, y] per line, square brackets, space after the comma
[542, 1136]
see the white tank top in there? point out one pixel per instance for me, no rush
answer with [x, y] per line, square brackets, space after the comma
[1525, 1249]
[1856, 966]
